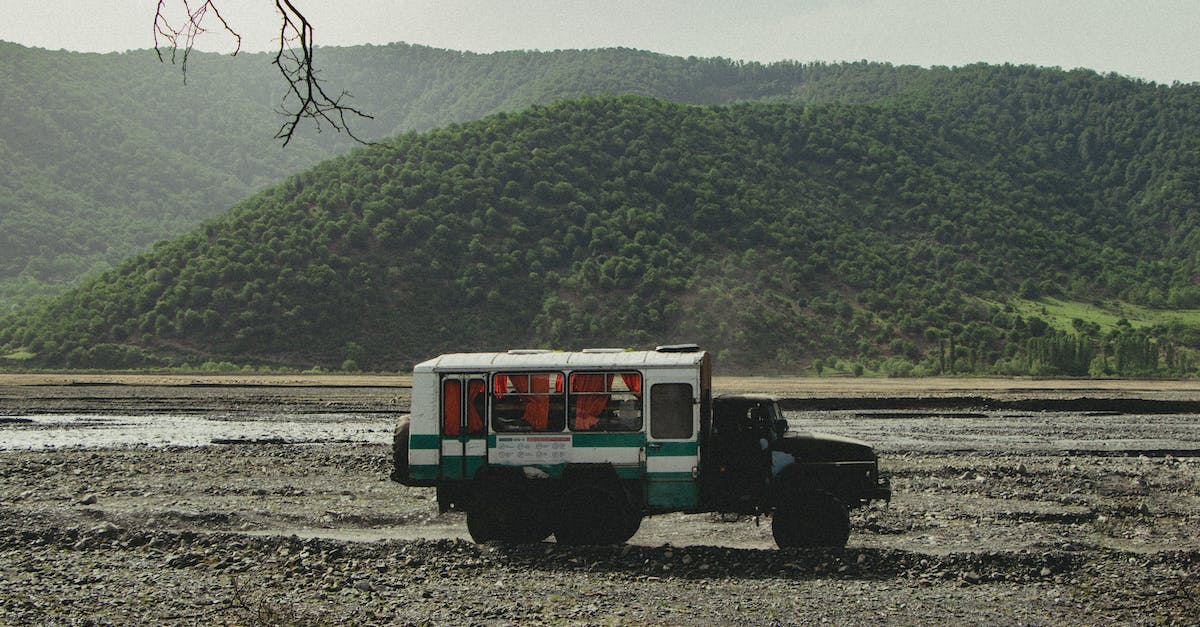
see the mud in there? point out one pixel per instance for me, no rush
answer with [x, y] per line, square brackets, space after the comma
[1002, 514]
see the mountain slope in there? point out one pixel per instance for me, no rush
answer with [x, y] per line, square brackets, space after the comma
[774, 234]
[103, 154]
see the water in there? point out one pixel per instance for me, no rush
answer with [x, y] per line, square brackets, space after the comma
[94, 430]
[888, 431]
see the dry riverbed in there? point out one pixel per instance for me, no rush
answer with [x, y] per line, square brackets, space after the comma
[1003, 514]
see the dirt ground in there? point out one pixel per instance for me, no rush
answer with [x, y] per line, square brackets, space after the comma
[1004, 513]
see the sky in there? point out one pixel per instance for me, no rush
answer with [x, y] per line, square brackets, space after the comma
[1150, 39]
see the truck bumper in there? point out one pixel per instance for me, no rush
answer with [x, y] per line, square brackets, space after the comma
[882, 490]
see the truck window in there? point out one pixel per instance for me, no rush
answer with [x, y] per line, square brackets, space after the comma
[605, 401]
[528, 401]
[451, 411]
[671, 411]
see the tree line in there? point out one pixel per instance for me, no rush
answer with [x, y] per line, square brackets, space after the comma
[887, 234]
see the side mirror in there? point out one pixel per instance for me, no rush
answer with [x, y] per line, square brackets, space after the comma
[781, 426]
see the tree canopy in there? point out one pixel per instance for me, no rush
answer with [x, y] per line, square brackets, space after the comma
[896, 231]
[104, 154]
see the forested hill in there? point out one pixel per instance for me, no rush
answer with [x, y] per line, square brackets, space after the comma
[905, 235]
[103, 154]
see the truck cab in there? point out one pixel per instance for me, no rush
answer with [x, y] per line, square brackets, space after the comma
[753, 464]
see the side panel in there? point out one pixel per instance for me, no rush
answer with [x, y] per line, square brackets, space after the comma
[672, 451]
[551, 452]
[424, 441]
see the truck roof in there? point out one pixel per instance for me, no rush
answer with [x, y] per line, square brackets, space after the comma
[571, 360]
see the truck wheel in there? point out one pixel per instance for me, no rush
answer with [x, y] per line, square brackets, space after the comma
[633, 522]
[811, 520]
[596, 515]
[509, 514]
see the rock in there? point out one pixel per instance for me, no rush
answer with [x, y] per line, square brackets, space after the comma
[90, 499]
[105, 529]
[184, 561]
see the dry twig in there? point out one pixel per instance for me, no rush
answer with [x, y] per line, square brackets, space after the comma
[305, 97]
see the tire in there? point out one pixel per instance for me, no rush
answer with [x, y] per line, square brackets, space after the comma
[633, 522]
[811, 520]
[592, 514]
[508, 513]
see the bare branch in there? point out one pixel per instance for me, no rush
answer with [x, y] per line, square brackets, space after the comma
[186, 33]
[305, 96]
[295, 61]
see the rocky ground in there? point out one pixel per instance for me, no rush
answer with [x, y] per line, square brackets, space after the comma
[1000, 516]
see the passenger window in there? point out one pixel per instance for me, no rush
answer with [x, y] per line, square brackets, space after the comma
[605, 401]
[528, 402]
[671, 411]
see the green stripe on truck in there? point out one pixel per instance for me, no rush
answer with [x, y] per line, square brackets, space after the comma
[425, 442]
[671, 449]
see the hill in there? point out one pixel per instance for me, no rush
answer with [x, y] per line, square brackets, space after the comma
[901, 235]
[103, 154]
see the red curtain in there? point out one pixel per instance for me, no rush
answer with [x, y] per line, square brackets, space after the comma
[451, 406]
[537, 408]
[633, 381]
[500, 385]
[589, 406]
[537, 403]
[475, 425]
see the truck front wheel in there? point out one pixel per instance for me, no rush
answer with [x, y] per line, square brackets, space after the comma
[814, 519]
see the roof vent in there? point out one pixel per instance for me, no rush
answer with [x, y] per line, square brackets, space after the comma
[678, 348]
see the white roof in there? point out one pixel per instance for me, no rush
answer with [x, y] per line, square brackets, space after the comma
[560, 360]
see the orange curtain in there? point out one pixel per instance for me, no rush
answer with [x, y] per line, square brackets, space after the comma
[534, 391]
[451, 406]
[475, 425]
[633, 381]
[537, 408]
[500, 385]
[589, 406]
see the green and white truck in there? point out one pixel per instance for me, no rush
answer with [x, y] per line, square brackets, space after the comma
[583, 445]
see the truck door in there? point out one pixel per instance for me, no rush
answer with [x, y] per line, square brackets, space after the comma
[464, 430]
[671, 450]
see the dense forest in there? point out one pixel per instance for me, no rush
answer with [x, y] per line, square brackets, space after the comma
[103, 154]
[926, 229]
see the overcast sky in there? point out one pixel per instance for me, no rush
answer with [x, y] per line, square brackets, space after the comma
[1151, 39]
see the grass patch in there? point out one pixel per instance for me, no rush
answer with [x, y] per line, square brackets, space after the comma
[1060, 313]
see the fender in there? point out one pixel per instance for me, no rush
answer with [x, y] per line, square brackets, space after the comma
[794, 479]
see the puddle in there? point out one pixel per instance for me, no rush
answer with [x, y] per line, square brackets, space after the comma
[889, 431]
[1076, 433]
[57, 431]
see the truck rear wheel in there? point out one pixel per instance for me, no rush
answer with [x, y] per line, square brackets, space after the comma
[508, 511]
[507, 525]
[814, 519]
[593, 514]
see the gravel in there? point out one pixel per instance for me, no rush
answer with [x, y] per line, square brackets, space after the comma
[282, 533]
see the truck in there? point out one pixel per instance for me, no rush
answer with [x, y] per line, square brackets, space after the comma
[582, 445]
